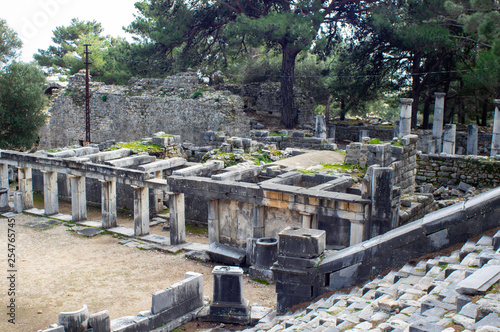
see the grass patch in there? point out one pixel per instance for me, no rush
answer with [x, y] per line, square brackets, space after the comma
[375, 141]
[260, 281]
[196, 229]
[138, 147]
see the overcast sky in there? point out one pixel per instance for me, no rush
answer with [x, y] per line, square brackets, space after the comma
[34, 20]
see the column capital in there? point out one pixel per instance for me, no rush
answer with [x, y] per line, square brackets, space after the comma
[497, 102]
[406, 101]
[439, 94]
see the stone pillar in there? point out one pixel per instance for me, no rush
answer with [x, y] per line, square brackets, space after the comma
[396, 129]
[332, 131]
[4, 183]
[405, 115]
[141, 211]
[320, 129]
[363, 134]
[18, 202]
[382, 212]
[213, 221]
[449, 138]
[299, 250]
[50, 191]
[108, 204]
[495, 138]
[158, 194]
[259, 227]
[177, 219]
[228, 304]
[472, 139]
[437, 123]
[26, 186]
[357, 232]
[78, 198]
[306, 220]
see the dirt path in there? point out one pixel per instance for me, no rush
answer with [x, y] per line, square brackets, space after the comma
[59, 270]
[312, 158]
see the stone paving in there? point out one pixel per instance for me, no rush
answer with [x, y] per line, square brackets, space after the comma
[460, 292]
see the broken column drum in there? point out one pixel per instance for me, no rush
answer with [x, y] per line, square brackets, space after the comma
[266, 251]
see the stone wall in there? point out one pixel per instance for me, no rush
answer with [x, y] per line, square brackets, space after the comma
[177, 105]
[401, 158]
[434, 232]
[451, 170]
[265, 99]
[351, 133]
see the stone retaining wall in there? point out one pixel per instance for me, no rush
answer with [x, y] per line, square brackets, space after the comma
[451, 170]
[170, 308]
[434, 232]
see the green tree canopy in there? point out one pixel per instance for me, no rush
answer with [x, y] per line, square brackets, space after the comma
[186, 33]
[21, 105]
[9, 43]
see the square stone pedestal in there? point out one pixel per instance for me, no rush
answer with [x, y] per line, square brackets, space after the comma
[228, 304]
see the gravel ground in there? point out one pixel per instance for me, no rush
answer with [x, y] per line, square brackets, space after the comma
[59, 270]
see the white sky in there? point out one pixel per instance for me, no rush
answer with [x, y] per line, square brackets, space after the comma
[35, 20]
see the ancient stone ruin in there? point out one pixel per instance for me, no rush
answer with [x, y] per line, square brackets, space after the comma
[311, 231]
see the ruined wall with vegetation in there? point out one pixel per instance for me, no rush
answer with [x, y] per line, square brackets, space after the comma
[177, 105]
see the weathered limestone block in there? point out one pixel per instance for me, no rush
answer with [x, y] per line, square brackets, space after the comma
[302, 243]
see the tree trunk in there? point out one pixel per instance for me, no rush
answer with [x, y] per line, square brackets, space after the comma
[289, 115]
[327, 109]
[427, 111]
[342, 109]
[484, 117]
[416, 87]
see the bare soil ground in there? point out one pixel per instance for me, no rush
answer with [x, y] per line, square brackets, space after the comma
[59, 270]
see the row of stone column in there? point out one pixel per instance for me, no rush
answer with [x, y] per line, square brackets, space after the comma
[108, 201]
[444, 135]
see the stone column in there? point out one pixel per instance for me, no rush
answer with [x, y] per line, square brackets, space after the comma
[357, 231]
[177, 219]
[437, 123]
[26, 186]
[141, 211]
[495, 138]
[4, 183]
[259, 228]
[449, 138]
[332, 131]
[396, 129]
[18, 202]
[108, 204]
[78, 198]
[405, 115]
[472, 139]
[362, 134]
[306, 220]
[50, 191]
[320, 129]
[381, 197]
[159, 194]
[213, 221]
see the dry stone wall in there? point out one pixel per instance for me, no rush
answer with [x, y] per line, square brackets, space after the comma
[177, 105]
[451, 170]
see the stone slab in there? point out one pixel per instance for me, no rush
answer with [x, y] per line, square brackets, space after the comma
[122, 230]
[91, 223]
[301, 242]
[195, 247]
[480, 281]
[42, 226]
[226, 254]
[258, 312]
[35, 211]
[63, 217]
[159, 239]
[10, 214]
[90, 232]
